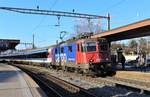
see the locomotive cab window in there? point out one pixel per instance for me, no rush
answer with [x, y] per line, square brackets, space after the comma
[90, 46]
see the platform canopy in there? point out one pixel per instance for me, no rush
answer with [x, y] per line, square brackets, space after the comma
[6, 44]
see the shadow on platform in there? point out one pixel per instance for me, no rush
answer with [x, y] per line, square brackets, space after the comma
[8, 76]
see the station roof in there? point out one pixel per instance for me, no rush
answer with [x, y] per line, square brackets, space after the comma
[6, 44]
[138, 29]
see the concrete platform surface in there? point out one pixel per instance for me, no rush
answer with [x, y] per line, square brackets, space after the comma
[16, 83]
[134, 75]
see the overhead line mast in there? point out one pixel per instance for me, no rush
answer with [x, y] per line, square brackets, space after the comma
[54, 13]
[57, 13]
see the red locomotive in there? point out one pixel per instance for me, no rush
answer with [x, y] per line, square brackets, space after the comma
[85, 55]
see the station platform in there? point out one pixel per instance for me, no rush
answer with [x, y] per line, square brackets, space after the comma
[16, 83]
[134, 75]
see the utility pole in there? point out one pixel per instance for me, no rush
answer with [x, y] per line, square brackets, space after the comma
[108, 22]
[33, 44]
[57, 13]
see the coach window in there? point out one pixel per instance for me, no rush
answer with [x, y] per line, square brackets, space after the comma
[62, 50]
[70, 48]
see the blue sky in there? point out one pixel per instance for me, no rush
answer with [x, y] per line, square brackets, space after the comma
[22, 26]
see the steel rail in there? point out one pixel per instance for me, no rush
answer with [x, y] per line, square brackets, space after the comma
[35, 77]
[64, 84]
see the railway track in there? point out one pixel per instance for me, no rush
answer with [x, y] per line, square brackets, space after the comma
[132, 85]
[55, 87]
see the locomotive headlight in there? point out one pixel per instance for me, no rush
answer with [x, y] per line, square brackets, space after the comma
[91, 60]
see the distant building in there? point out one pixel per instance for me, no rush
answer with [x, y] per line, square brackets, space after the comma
[8, 44]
